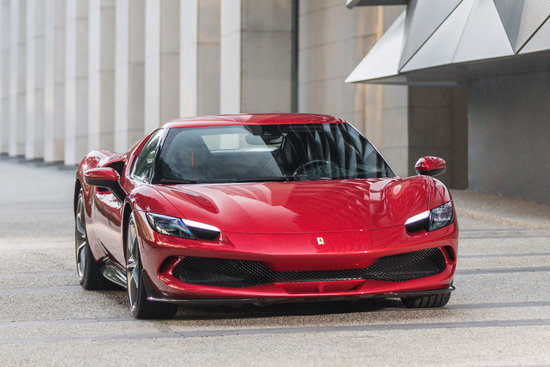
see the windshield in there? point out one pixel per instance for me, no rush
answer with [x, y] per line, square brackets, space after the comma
[267, 153]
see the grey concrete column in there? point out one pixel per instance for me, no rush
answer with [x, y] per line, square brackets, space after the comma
[76, 92]
[101, 69]
[54, 81]
[129, 73]
[438, 125]
[256, 45]
[4, 75]
[34, 130]
[162, 26]
[18, 28]
[200, 57]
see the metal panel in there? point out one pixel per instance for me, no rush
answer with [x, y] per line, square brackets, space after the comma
[441, 46]
[383, 58]
[510, 16]
[521, 18]
[423, 18]
[353, 3]
[484, 36]
[540, 40]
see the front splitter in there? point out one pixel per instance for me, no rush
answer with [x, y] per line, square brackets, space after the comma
[267, 301]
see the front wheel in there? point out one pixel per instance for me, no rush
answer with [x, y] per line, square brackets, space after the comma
[434, 300]
[140, 307]
[87, 269]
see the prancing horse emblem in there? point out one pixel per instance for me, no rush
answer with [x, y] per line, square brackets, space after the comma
[320, 241]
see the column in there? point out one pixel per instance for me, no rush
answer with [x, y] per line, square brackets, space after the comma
[76, 74]
[129, 73]
[161, 61]
[101, 69]
[17, 77]
[34, 129]
[54, 81]
[200, 57]
[256, 49]
[4, 75]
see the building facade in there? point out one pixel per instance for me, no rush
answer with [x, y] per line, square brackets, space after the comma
[498, 52]
[77, 75]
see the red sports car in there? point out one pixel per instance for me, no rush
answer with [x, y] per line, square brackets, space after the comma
[261, 208]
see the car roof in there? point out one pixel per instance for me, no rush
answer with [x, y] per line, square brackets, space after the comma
[253, 119]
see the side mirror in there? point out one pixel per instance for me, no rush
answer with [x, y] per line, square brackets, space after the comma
[105, 177]
[102, 177]
[430, 166]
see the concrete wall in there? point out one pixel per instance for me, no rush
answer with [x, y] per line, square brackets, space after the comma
[114, 70]
[332, 41]
[509, 134]
[438, 125]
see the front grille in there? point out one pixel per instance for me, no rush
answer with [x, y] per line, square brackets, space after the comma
[243, 273]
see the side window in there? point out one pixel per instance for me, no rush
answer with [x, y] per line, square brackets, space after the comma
[146, 157]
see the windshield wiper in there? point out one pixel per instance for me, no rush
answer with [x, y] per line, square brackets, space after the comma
[170, 181]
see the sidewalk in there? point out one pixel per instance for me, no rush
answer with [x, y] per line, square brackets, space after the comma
[501, 209]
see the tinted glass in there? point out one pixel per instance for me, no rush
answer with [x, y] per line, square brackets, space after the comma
[146, 157]
[268, 153]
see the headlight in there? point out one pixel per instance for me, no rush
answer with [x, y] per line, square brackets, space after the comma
[183, 228]
[430, 220]
[441, 216]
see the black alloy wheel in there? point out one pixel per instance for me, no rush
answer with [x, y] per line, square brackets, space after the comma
[87, 269]
[140, 306]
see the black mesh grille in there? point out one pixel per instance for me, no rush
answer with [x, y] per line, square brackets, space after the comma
[243, 273]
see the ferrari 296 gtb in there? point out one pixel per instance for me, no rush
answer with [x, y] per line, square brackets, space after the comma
[261, 208]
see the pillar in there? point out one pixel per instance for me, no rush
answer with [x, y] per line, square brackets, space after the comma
[4, 75]
[129, 73]
[34, 129]
[17, 77]
[256, 54]
[162, 44]
[200, 57]
[76, 96]
[54, 81]
[101, 73]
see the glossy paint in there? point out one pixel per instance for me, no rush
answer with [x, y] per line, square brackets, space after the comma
[277, 223]
[431, 166]
[96, 176]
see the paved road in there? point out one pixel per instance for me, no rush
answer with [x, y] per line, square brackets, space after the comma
[499, 315]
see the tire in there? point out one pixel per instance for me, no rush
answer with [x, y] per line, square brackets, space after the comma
[434, 300]
[87, 269]
[140, 307]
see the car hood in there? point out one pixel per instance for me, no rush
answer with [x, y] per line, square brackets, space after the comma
[302, 206]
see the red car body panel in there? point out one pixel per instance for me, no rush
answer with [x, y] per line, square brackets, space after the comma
[276, 223]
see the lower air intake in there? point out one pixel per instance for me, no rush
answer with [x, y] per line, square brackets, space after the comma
[243, 273]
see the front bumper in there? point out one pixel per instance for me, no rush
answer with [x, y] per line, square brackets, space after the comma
[300, 252]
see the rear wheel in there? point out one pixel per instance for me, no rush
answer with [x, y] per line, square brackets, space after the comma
[140, 307]
[87, 269]
[434, 300]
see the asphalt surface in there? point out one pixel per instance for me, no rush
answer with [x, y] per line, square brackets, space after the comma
[498, 316]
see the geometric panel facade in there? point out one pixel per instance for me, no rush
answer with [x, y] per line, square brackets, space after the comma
[446, 33]
[540, 41]
[522, 18]
[440, 48]
[423, 19]
[483, 36]
[383, 59]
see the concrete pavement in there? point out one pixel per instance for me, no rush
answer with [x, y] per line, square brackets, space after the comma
[498, 316]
